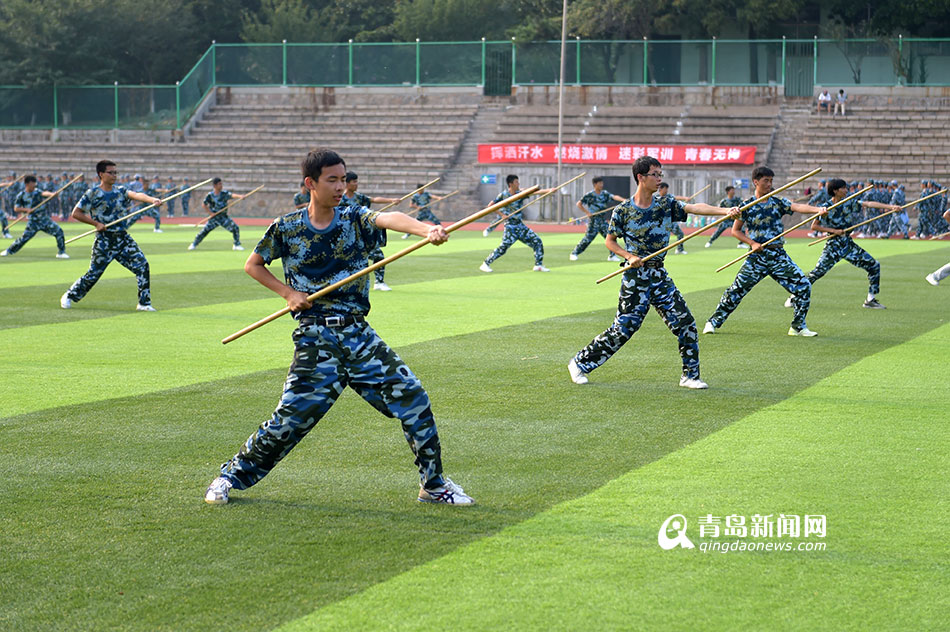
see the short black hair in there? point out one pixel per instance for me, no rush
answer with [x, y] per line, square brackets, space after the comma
[312, 166]
[642, 165]
[762, 172]
[102, 165]
[350, 176]
[597, 179]
[664, 185]
[303, 183]
[730, 188]
[836, 183]
[29, 179]
[215, 181]
[419, 186]
[511, 178]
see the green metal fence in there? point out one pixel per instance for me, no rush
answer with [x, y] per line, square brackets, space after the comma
[796, 64]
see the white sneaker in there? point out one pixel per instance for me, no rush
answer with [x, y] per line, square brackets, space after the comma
[5, 253]
[144, 308]
[484, 267]
[708, 244]
[613, 257]
[448, 494]
[382, 287]
[709, 328]
[191, 246]
[788, 302]
[62, 255]
[931, 279]
[7, 235]
[804, 332]
[540, 269]
[217, 492]
[158, 230]
[65, 302]
[696, 383]
[742, 246]
[573, 257]
[577, 376]
[485, 233]
[405, 236]
[237, 247]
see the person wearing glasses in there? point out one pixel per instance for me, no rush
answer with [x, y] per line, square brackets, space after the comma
[643, 222]
[101, 205]
[763, 221]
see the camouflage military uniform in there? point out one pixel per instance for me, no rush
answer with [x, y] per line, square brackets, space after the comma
[376, 254]
[114, 243]
[898, 222]
[216, 202]
[843, 247]
[763, 222]
[38, 220]
[334, 347]
[185, 200]
[301, 198]
[725, 203]
[515, 230]
[644, 231]
[152, 191]
[425, 214]
[596, 225]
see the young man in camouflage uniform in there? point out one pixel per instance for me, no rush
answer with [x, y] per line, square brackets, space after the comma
[38, 220]
[729, 201]
[763, 222]
[302, 199]
[422, 201]
[900, 221]
[97, 207]
[593, 201]
[152, 190]
[643, 222]
[170, 189]
[215, 201]
[8, 196]
[675, 227]
[515, 228]
[184, 197]
[334, 345]
[352, 197]
[938, 275]
[841, 245]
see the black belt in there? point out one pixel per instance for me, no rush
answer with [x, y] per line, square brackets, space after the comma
[332, 321]
[774, 247]
[649, 263]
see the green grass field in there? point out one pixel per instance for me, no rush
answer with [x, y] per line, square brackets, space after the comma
[114, 422]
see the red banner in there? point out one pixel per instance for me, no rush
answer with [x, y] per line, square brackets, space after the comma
[538, 153]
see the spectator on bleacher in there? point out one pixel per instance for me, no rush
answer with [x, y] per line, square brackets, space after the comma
[217, 200]
[170, 189]
[352, 197]
[593, 201]
[824, 101]
[185, 197]
[840, 100]
[302, 199]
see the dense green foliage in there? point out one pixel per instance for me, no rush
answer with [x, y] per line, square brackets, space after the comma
[157, 41]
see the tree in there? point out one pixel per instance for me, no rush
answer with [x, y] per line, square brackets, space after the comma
[291, 20]
[452, 20]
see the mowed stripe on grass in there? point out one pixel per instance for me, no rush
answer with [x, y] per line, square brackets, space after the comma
[844, 448]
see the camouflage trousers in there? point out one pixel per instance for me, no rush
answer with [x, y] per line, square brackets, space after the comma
[595, 226]
[773, 262]
[154, 213]
[34, 226]
[641, 288]
[677, 231]
[898, 223]
[185, 203]
[170, 207]
[3, 220]
[838, 248]
[518, 232]
[425, 215]
[374, 256]
[219, 220]
[720, 230]
[118, 246]
[327, 360]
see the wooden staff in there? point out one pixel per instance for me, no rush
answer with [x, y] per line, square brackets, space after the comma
[141, 210]
[12, 182]
[690, 198]
[32, 210]
[874, 219]
[708, 226]
[334, 286]
[940, 236]
[588, 216]
[802, 223]
[230, 204]
[416, 210]
[537, 199]
[410, 194]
